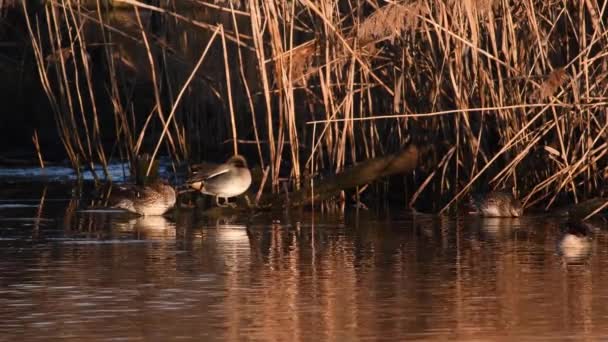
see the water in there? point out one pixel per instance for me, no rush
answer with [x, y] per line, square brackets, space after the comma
[100, 275]
[117, 171]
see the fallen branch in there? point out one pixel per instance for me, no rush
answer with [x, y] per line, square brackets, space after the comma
[363, 173]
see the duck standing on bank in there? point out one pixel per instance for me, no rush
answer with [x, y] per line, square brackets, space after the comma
[229, 179]
[496, 204]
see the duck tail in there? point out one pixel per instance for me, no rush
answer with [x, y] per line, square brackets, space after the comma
[195, 184]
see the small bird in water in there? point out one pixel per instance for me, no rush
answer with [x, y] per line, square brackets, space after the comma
[229, 179]
[153, 199]
[496, 204]
[575, 242]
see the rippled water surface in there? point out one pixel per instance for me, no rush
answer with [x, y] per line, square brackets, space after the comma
[95, 275]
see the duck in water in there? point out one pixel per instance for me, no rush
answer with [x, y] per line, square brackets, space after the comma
[229, 179]
[496, 204]
[575, 242]
[149, 196]
[153, 199]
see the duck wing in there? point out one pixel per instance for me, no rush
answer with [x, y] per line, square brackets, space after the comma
[124, 190]
[123, 196]
[206, 171]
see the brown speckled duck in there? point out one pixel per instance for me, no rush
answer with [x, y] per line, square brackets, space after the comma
[496, 204]
[149, 196]
[153, 199]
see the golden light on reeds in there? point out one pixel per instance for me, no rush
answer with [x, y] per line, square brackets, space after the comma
[475, 80]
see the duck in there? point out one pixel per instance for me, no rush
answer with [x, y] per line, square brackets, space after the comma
[575, 242]
[226, 180]
[496, 204]
[153, 199]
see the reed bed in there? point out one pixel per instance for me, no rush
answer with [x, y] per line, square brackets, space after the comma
[501, 94]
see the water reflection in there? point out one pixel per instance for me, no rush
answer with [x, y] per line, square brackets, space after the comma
[79, 274]
[149, 227]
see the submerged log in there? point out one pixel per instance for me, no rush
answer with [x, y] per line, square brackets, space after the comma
[584, 209]
[363, 173]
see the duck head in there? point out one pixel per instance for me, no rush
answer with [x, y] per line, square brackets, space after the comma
[237, 161]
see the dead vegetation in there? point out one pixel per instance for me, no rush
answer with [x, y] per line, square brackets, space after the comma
[509, 95]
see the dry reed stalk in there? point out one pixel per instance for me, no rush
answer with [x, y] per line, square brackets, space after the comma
[155, 84]
[262, 184]
[258, 40]
[287, 77]
[230, 10]
[70, 129]
[428, 179]
[247, 91]
[179, 97]
[36, 41]
[580, 165]
[533, 141]
[284, 97]
[570, 171]
[140, 138]
[312, 165]
[38, 150]
[330, 133]
[596, 211]
[123, 132]
[78, 96]
[460, 111]
[347, 46]
[74, 97]
[96, 135]
[347, 129]
[235, 138]
[575, 170]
